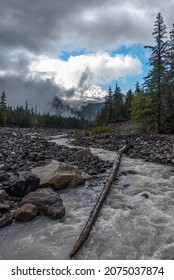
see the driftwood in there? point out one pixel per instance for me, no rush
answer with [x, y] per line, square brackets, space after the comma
[97, 207]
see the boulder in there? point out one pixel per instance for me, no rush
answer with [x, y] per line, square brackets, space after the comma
[48, 202]
[83, 152]
[59, 175]
[26, 212]
[6, 220]
[22, 183]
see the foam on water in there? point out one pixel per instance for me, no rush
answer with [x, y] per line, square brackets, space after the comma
[130, 226]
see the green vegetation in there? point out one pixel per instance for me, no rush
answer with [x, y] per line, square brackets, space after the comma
[3, 110]
[99, 130]
[152, 104]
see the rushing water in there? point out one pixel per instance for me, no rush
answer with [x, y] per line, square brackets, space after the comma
[130, 225]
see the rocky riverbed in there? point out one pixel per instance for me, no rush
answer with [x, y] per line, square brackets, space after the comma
[148, 147]
[21, 150]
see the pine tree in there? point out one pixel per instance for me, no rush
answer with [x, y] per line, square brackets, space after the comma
[3, 102]
[169, 86]
[127, 104]
[155, 80]
[108, 108]
[118, 103]
[141, 110]
[137, 88]
[3, 109]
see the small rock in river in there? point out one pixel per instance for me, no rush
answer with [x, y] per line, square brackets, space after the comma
[145, 195]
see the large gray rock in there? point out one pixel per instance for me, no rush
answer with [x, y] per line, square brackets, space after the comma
[59, 175]
[48, 202]
[22, 183]
[26, 212]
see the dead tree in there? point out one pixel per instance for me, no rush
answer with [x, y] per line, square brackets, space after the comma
[97, 207]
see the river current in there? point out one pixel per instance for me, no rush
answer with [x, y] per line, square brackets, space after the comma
[136, 221]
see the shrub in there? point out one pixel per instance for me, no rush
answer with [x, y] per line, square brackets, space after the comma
[99, 130]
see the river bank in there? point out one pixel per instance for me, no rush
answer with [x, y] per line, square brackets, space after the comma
[25, 148]
[155, 148]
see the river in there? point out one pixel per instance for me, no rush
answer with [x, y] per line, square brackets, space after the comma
[136, 222]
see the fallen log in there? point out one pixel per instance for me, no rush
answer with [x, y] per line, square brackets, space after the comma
[97, 207]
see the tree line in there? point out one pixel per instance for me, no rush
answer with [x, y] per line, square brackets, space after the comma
[151, 105]
[22, 116]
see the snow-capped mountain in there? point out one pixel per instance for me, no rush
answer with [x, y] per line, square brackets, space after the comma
[80, 101]
[92, 94]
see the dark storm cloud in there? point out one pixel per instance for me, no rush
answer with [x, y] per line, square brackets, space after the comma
[44, 26]
[122, 23]
[37, 26]
[36, 91]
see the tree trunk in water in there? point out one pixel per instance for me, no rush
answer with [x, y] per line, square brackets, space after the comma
[97, 207]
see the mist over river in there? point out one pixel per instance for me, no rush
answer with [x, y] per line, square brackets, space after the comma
[136, 221]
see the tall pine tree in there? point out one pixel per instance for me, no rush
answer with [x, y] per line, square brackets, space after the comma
[3, 109]
[155, 80]
[169, 86]
[118, 103]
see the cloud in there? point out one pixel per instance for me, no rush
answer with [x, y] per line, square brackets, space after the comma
[47, 26]
[40, 80]
[37, 92]
[37, 26]
[89, 69]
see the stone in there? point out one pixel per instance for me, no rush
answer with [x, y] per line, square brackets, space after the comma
[172, 170]
[126, 185]
[59, 175]
[6, 220]
[3, 176]
[26, 212]
[48, 202]
[4, 207]
[2, 195]
[132, 172]
[22, 183]
[145, 195]
[2, 166]
[83, 152]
